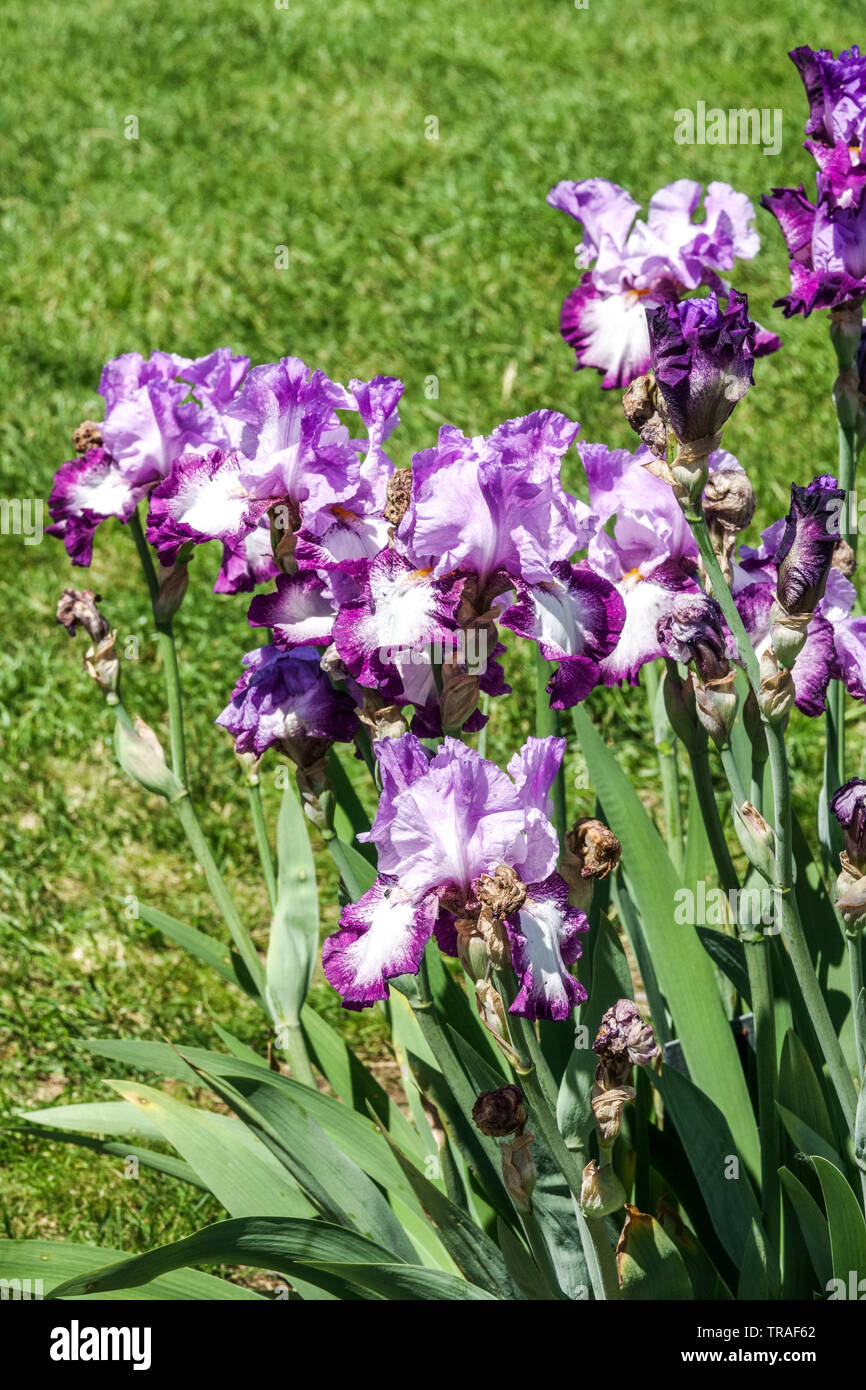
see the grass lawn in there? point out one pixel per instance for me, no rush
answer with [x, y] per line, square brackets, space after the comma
[305, 128]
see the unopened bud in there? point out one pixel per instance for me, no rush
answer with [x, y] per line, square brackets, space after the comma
[472, 950]
[681, 707]
[102, 664]
[493, 1014]
[459, 700]
[317, 795]
[757, 839]
[788, 632]
[851, 900]
[519, 1174]
[777, 692]
[601, 1191]
[173, 584]
[501, 1112]
[141, 757]
[716, 704]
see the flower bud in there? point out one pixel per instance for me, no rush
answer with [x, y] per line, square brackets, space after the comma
[716, 704]
[459, 700]
[776, 693]
[493, 1014]
[681, 706]
[173, 583]
[102, 664]
[501, 1112]
[88, 435]
[754, 726]
[805, 552]
[317, 795]
[757, 839]
[141, 757]
[601, 1191]
[848, 805]
[472, 950]
[788, 632]
[851, 900]
[519, 1174]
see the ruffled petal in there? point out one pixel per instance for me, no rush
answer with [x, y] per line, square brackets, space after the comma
[545, 940]
[381, 936]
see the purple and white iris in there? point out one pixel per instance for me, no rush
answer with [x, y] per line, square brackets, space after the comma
[155, 408]
[826, 239]
[285, 701]
[639, 266]
[443, 821]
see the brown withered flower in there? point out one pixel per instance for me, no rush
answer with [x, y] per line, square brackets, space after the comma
[88, 435]
[595, 847]
[398, 496]
[501, 1112]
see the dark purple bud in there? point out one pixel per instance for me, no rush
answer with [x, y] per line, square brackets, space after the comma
[848, 805]
[702, 358]
[692, 631]
[805, 552]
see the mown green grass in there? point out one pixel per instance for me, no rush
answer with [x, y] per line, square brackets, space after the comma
[261, 128]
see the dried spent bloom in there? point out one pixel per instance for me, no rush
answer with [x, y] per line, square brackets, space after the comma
[78, 608]
[643, 408]
[503, 891]
[729, 500]
[805, 552]
[624, 1040]
[398, 496]
[501, 1112]
[844, 559]
[595, 847]
[691, 630]
[607, 1107]
[848, 805]
[88, 435]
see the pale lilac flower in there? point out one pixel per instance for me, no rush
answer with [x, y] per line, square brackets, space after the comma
[442, 822]
[643, 266]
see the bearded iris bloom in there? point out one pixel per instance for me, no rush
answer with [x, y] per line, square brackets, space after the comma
[443, 822]
[640, 266]
[285, 701]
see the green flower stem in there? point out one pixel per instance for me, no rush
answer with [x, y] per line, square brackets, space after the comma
[792, 927]
[263, 844]
[606, 1257]
[855, 965]
[732, 772]
[668, 773]
[759, 966]
[547, 722]
[185, 812]
[168, 651]
[710, 812]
